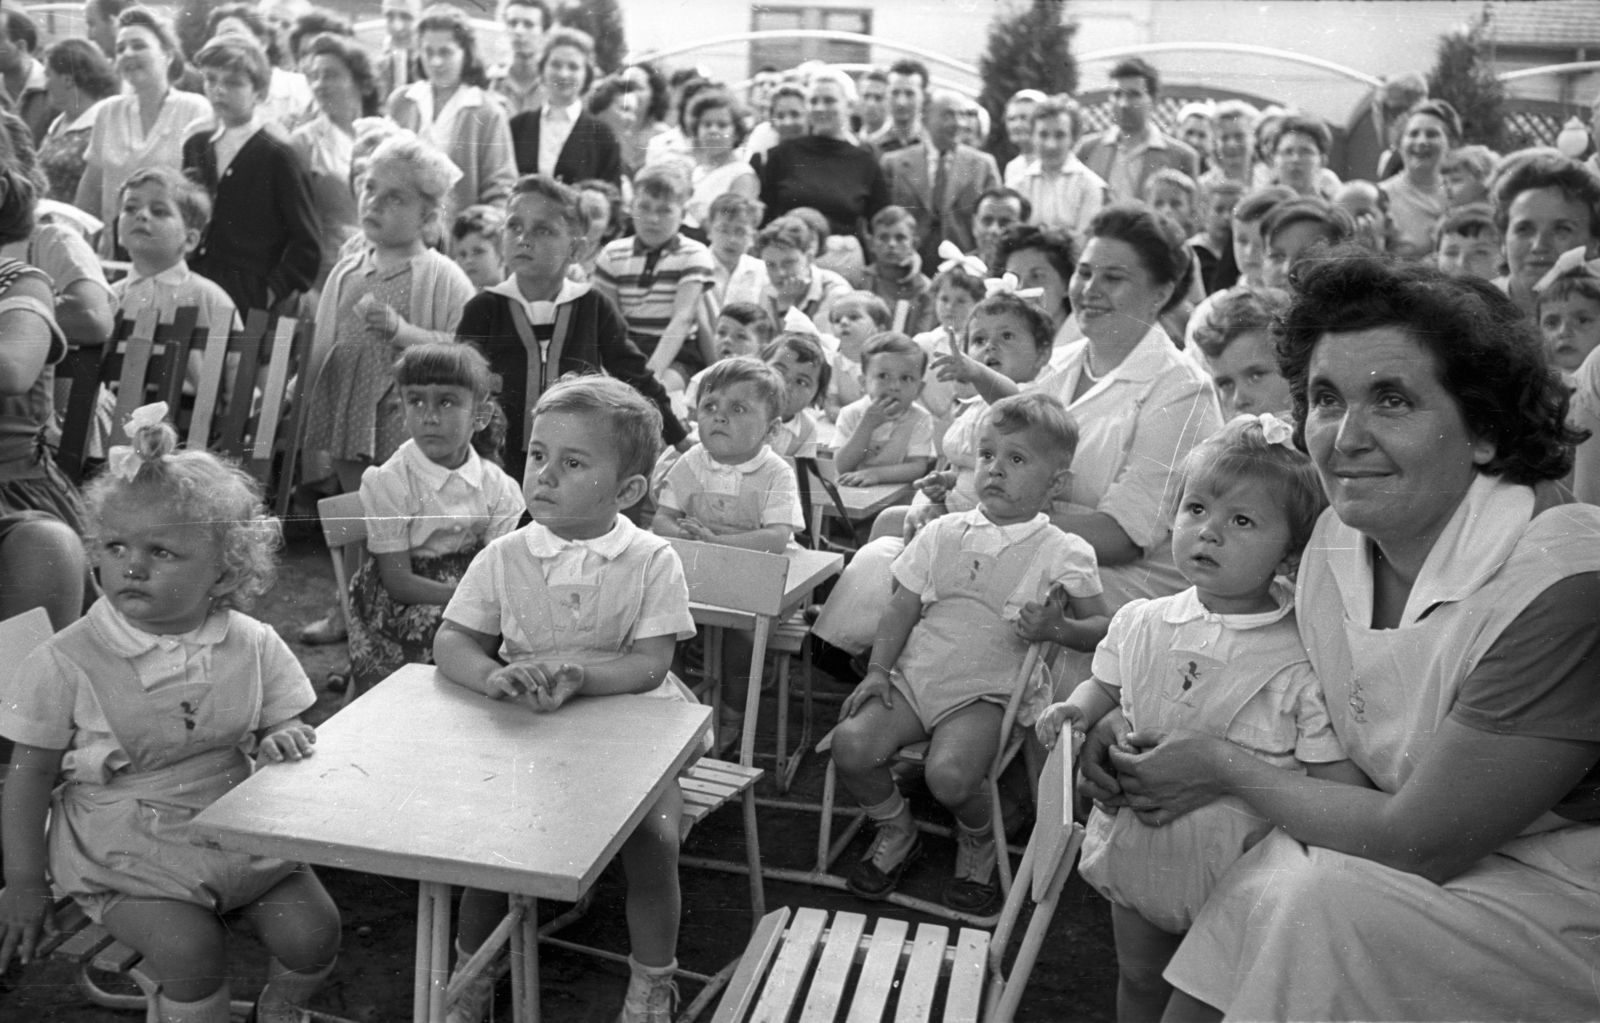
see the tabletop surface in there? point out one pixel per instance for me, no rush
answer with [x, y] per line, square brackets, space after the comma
[807, 568]
[425, 779]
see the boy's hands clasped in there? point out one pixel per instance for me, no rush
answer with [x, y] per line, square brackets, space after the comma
[543, 687]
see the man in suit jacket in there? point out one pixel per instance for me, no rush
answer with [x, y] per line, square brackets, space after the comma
[1126, 154]
[940, 180]
[561, 138]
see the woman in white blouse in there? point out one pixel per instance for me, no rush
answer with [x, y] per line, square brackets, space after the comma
[451, 110]
[345, 88]
[1139, 404]
[143, 127]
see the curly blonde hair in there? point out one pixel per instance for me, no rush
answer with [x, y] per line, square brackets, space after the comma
[201, 488]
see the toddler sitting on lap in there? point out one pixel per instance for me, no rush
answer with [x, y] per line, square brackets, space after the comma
[580, 601]
[970, 597]
[1223, 657]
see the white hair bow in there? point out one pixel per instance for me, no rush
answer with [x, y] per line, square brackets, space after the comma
[953, 257]
[797, 322]
[123, 460]
[1006, 284]
[1276, 431]
[1568, 261]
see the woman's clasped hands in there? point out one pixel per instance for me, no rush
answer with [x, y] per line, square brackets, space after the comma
[1160, 775]
[542, 687]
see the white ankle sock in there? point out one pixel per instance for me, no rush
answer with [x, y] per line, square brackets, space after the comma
[890, 809]
[211, 1009]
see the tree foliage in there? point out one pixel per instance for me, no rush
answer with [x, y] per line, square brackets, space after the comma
[1029, 48]
[1462, 75]
[602, 19]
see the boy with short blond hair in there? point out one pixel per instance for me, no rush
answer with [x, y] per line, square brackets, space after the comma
[896, 274]
[658, 276]
[581, 602]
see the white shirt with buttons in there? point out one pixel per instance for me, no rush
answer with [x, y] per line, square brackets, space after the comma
[414, 504]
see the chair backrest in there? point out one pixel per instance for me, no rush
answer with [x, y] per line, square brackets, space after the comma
[1043, 870]
[343, 521]
[730, 577]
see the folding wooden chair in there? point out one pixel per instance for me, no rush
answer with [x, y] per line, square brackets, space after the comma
[805, 955]
[829, 849]
[270, 352]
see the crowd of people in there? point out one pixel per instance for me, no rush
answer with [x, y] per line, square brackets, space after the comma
[1294, 476]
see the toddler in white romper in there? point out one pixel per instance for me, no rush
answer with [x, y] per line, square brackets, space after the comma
[1223, 657]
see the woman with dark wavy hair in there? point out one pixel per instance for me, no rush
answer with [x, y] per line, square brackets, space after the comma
[345, 88]
[451, 110]
[1450, 603]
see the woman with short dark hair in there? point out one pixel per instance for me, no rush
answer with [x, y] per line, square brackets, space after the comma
[1416, 195]
[1544, 204]
[76, 77]
[1449, 601]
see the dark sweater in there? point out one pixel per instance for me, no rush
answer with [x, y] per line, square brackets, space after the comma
[264, 241]
[597, 341]
[842, 181]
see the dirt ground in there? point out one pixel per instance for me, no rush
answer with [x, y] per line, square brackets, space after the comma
[1075, 978]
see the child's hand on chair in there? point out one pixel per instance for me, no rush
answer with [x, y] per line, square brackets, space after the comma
[25, 918]
[293, 740]
[1055, 717]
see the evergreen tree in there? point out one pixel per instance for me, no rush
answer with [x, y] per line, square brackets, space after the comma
[1463, 76]
[1029, 48]
[602, 19]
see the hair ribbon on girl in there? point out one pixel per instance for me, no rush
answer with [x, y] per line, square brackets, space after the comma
[1007, 284]
[124, 460]
[1567, 262]
[953, 257]
[1276, 431]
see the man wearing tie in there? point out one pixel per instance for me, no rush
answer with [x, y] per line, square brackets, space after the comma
[940, 180]
[1127, 153]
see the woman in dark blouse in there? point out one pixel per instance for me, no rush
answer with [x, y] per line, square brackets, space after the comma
[827, 169]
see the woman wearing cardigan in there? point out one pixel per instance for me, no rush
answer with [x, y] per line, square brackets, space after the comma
[561, 139]
[451, 110]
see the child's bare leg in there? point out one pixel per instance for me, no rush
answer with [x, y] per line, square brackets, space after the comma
[184, 945]
[298, 922]
[1143, 951]
[650, 859]
[864, 744]
[963, 748]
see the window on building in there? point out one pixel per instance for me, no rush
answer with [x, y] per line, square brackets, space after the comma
[786, 53]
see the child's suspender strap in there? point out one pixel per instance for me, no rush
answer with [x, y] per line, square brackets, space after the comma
[902, 309]
[539, 359]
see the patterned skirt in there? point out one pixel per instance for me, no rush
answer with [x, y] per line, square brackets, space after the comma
[386, 634]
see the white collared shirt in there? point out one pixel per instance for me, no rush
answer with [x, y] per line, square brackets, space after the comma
[228, 141]
[412, 503]
[751, 495]
[438, 126]
[173, 288]
[1068, 199]
[176, 659]
[541, 313]
[555, 127]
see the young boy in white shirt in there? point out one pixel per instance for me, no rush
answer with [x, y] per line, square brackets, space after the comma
[581, 601]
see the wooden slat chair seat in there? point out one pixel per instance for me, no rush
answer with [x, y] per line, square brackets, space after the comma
[802, 964]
